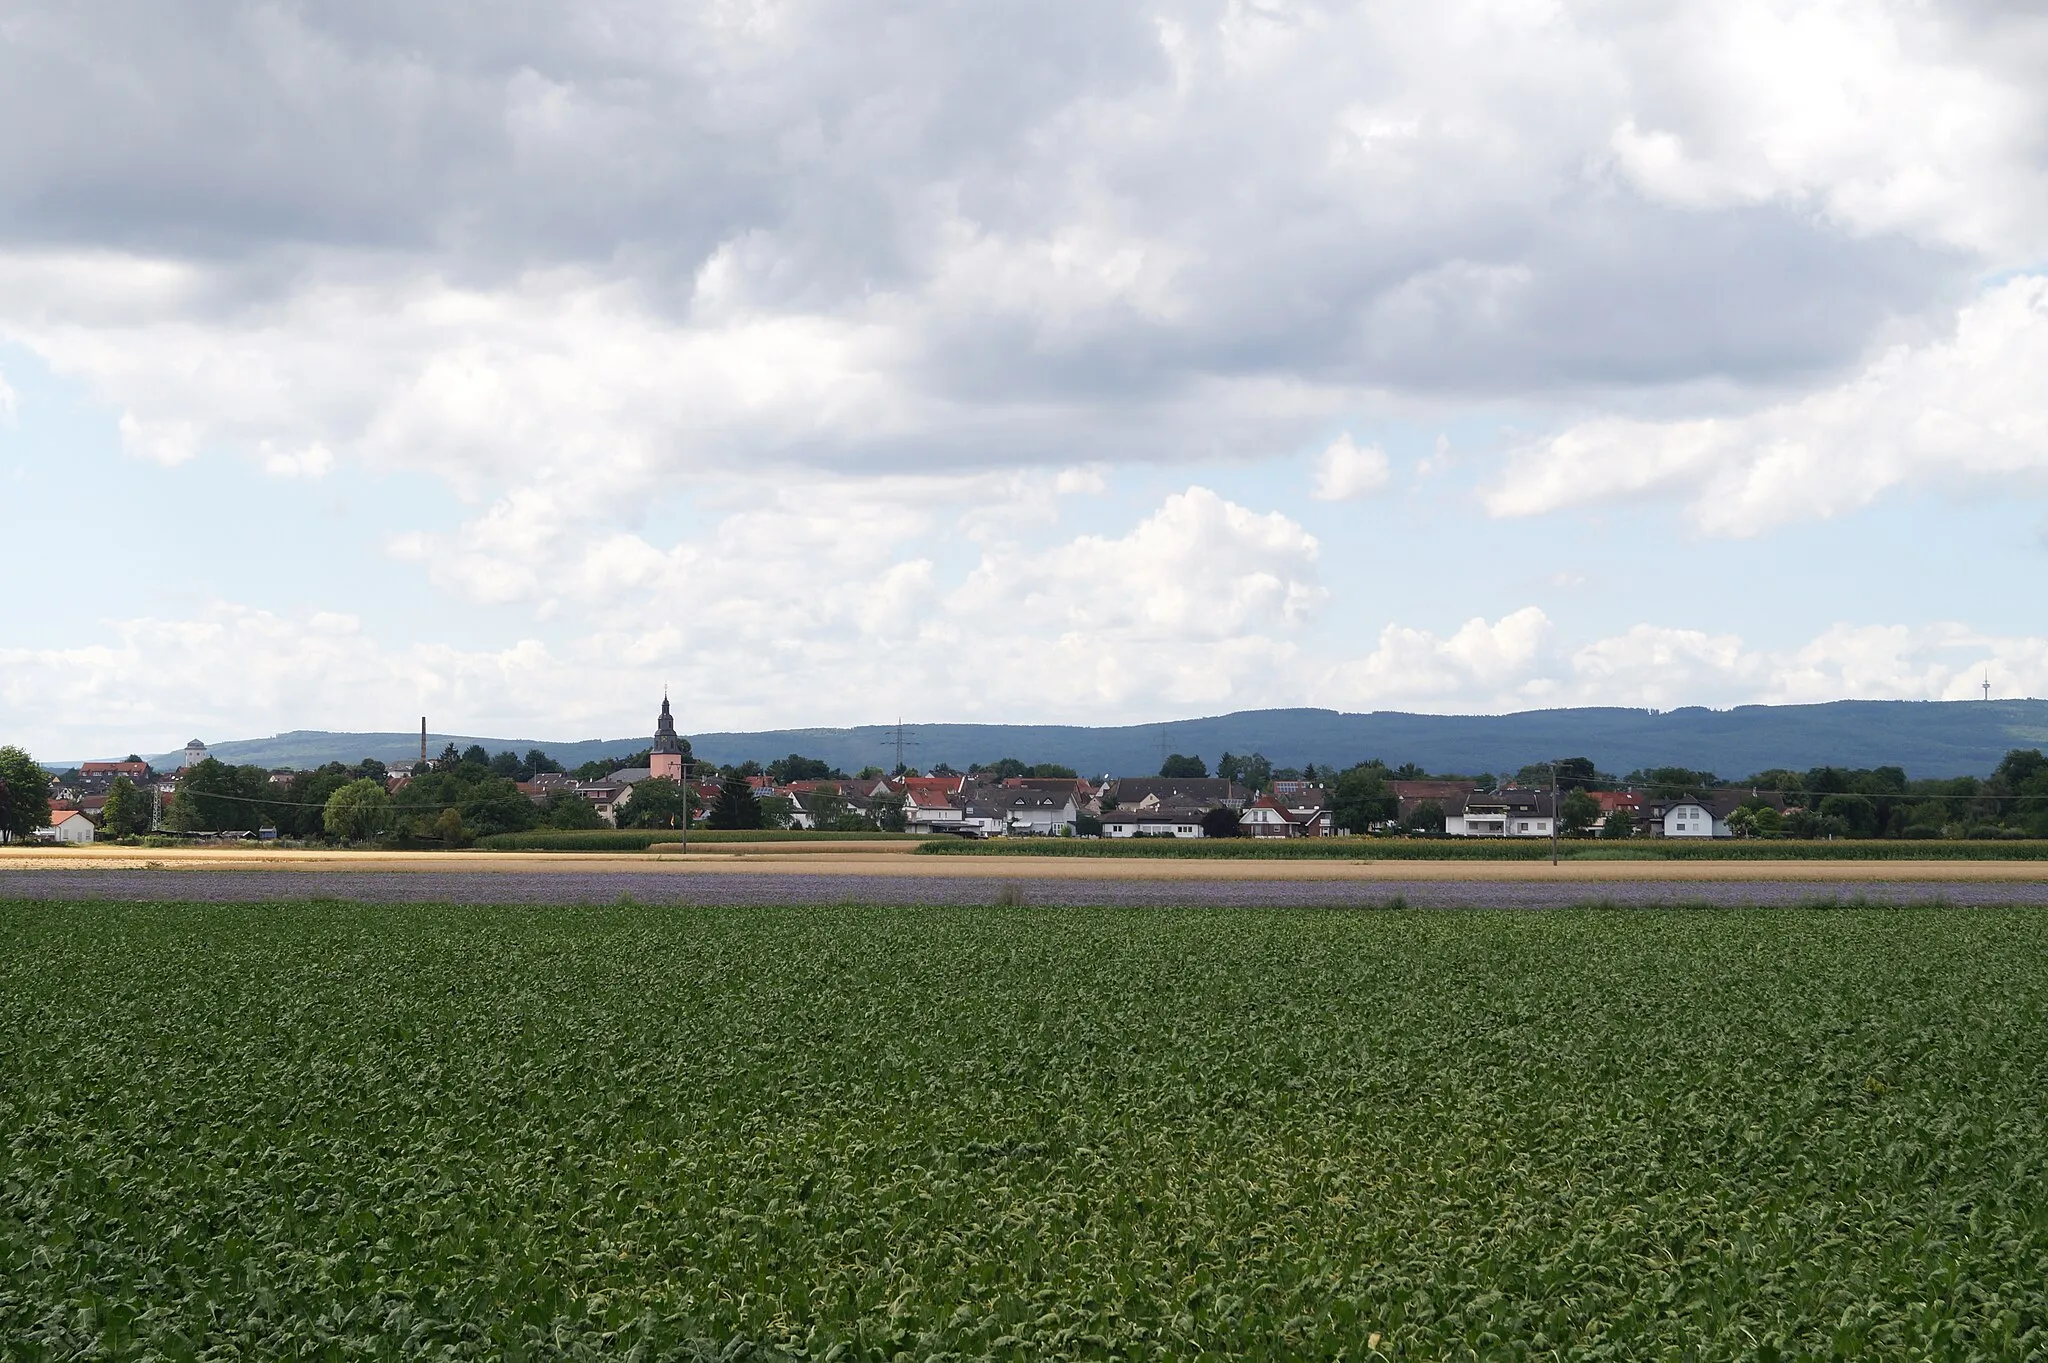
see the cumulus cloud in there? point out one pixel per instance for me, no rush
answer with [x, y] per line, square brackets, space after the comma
[231, 670]
[869, 291]
[643, 241]
[1346, 472]
[1967, 407]
[1200, 566]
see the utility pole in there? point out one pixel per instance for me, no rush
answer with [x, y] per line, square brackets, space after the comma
[423, 740]
[1556, 811]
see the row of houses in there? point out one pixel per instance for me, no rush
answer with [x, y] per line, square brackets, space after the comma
[980, 806]
[1469, 812]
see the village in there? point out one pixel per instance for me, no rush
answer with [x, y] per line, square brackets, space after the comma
[1004, 799]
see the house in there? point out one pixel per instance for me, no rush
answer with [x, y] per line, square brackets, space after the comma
[1265, 817]
[1509, 813]
[1627, 802]
[195, 753]
[1700, 816]
[1041, 813]
[1309, 808]
[68, 825]
[932, 811]
[1410, 796]
[1152, 792]
[606, 797]
[134, 771]
[1175, 821]
[1303, 814]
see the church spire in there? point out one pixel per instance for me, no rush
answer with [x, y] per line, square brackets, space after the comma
[665, 730]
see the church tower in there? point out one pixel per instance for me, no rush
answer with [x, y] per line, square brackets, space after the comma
[667, 758]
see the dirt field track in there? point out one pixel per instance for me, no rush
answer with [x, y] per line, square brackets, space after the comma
[760, 873]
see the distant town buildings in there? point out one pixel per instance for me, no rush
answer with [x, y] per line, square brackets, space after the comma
[983, 804]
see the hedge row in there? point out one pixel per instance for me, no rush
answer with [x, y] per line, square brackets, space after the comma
[1491, 849]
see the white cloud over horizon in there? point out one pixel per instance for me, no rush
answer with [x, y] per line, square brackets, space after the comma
[151, 678]
[853, 356]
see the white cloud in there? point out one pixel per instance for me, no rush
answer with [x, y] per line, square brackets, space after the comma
[995, 653]
[759, 326]
[1970, 407]
[1501, 665]
[1888, 116]
[1518, 662]
[1346, 472]
[1199, 567]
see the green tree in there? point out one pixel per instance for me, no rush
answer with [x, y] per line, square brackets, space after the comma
[569, 809]
[508, 765]
[889, 815]
[1087, 825]
[1360, 799]
[127, 812]
[1184, 768]
[1222, 822]
[1668, 783]
[540, 764]
[1572, 773]
[24, 794]
[357, 811]
[776, 811]
[484, 802]
[1577, 812]
[658, 802]
[1051, 771]
[832, 814]
[304, 811]
[796, 767]
[449, 830]
[215, 797]
[736, 806]
[1254, 772]
[1619, 823]
[1857, 814]
[1426, 817]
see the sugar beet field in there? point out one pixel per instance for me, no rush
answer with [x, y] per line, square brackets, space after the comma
[338, 1130]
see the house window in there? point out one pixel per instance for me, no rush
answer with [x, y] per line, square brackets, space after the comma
[1521, 828]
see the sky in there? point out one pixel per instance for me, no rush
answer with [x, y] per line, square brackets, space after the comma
[834, 361]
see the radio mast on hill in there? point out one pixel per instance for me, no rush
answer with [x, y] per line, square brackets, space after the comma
[1987, 683]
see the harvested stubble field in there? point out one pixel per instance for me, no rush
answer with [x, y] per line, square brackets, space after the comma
[337, 1130]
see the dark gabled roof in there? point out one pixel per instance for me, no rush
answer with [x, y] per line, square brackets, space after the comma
[1514, 801]
[1131, 789]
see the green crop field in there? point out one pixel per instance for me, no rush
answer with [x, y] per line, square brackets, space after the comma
[341, 1131]
[1496, 849]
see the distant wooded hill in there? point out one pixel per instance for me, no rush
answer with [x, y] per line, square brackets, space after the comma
[1927, 738]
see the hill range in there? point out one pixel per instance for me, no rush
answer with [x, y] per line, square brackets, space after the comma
[1927, 738]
